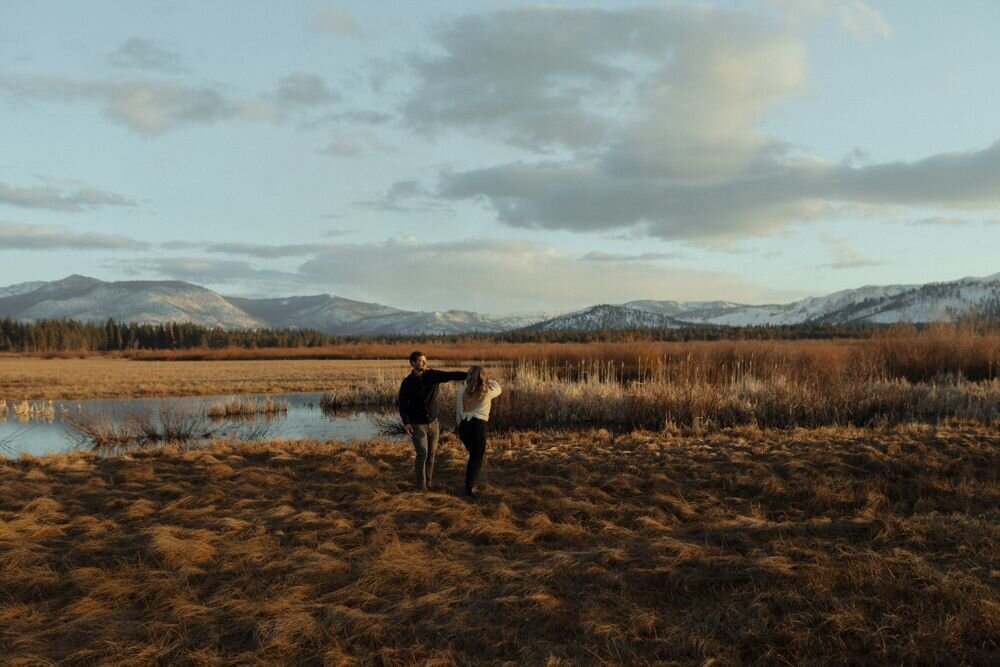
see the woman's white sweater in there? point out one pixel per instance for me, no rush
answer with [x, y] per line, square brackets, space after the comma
[480, 410]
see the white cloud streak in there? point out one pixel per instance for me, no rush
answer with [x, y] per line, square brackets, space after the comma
[144, 54]
[16, 236]
[154, 107]
[267, 251]
[331, 19]
[846, 256]
[855, 17]
[58, 199]
[213, 271]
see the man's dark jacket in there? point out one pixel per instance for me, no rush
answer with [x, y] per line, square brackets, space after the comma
[418, 395]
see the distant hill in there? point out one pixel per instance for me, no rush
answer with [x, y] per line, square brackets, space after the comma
[155, 302]
[607, 317]
[933, 302]
[158, 302]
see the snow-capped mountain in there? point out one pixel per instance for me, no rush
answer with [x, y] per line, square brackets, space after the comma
[322, 312]
[159, 302]
[20, 288]
[607, 317]
[933, 302]
[92, 300]
[433, 323]
[154, 302]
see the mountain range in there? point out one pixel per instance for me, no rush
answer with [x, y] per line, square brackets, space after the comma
[158, 302]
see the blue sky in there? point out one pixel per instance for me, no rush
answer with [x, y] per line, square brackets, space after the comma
[501, 156]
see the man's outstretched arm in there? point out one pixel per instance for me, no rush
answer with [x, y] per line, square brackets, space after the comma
[444, 376]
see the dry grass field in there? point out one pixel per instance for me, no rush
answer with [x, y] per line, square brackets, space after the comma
[109, 377]
[745, 546]
[693, 521]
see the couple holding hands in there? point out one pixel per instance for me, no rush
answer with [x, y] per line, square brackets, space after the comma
[419, 411]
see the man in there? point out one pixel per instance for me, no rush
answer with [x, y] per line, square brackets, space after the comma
[419, 411]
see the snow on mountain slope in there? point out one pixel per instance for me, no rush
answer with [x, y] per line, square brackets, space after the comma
[21, 288]
[606, 317]
[422, 323]
[154, 302]
[322, 312]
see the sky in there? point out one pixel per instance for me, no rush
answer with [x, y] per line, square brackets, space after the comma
[501, 156]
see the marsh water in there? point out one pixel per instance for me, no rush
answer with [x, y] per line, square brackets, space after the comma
[50, 430]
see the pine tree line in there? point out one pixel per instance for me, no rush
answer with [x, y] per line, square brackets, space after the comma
[44, 336]
[111, 336]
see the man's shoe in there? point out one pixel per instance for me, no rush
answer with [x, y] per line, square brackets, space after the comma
[471, 494]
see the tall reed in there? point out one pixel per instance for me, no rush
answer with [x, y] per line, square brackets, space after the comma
[110, 432]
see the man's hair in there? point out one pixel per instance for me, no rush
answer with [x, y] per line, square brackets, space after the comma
[416, 354]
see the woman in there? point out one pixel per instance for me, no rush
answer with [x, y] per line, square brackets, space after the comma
[472, 408]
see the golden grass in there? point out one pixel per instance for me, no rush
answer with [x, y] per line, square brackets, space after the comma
[742, 546]
[249, 407]
[108, 377]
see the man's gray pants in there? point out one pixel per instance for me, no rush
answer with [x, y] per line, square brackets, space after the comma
[425, 439]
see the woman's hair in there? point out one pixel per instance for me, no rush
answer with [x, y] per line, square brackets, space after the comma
[476, 385]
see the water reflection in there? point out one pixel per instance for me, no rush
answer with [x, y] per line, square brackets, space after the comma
[54, 426]
[27, 411]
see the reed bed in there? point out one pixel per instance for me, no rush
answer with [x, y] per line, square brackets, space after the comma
[132, 430]
[26, 411]
[381, 390]
[739, 547]
[247, 408]
[537, 398]
[971, 349]
[543, 396]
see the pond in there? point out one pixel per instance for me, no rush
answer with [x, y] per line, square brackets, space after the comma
[47, 427]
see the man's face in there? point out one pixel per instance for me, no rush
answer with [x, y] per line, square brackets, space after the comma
[420, 365]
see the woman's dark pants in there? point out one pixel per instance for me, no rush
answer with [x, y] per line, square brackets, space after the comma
[472, 433]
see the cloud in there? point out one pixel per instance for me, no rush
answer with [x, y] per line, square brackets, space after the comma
[145, 54]
[303, 89]
[57, 199]
[331, 19]
[340, 232]
[15, 236]
[648, 121]
[499, 276]
[854, 17]
[857, 156]
[359, 143]
[676, 89]
[941, 221]
[862, 20]
[153, 107]
[584, 197]
[846, 256]
[504, 74]
[179, 245]
[267, 251]
[597, 256]
[212, 271]
[405, 197]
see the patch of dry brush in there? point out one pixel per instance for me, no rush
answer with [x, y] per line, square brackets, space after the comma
[742, 547]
